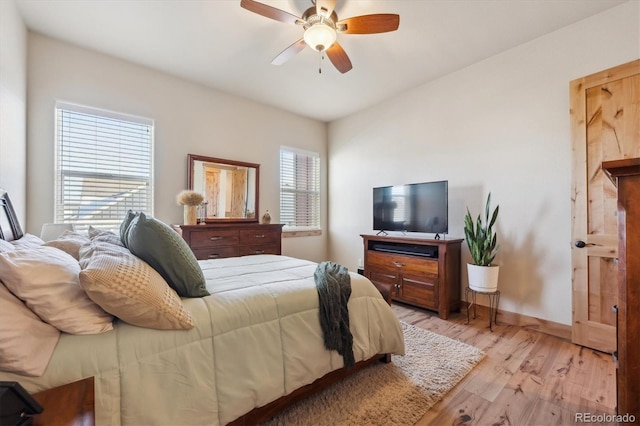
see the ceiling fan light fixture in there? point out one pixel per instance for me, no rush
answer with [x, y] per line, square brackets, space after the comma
[320, 36]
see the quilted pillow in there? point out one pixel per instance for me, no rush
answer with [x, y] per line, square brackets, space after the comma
[69, 242]
[46, 279]
[26, 343]
[130, 289]
[168, 253]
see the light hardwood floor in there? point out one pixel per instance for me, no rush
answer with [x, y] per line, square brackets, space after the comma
[527, 378]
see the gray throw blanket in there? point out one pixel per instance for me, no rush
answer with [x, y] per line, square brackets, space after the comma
[334, 289]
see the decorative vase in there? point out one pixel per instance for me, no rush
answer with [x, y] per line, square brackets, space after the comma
[266, 218]
[483, 278]
[190, 215]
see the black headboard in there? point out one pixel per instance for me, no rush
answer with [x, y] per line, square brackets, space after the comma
[9, 226]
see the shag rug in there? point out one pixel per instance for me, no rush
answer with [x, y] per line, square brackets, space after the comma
[398, 393]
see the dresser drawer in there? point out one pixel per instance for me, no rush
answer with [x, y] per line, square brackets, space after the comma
[259, 236]
[421, 293]
[215, 252]
[259, 249]
[416, 266]
[213, 238]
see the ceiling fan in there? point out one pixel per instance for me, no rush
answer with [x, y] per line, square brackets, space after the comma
[321, 28]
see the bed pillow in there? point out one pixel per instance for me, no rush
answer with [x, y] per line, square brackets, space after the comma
[6, 246]
[168, 253]
[47, 280]
[27, 241]
[69, 242]
[124, 226]
[130, 289]
[26, 343]
[96, 234]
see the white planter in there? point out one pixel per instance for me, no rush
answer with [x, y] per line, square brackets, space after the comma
[483, 278]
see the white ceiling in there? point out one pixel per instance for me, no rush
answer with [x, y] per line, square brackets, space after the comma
[219, 44]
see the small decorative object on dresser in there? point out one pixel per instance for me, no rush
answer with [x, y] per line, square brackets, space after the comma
[190, 200]
[266, 218]
[483, 246]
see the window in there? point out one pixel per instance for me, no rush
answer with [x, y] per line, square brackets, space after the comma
[398, 196]
[103, 166]
[299, 189]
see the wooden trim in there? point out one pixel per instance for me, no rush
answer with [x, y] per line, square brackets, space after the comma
[612, 74]
[261, 414]
[552, 328]
[292, 234]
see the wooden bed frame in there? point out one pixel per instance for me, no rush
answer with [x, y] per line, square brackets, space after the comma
[10, 230]
[264, 413]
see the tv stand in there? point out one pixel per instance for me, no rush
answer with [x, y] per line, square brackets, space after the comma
[418, 271]
[382, 232]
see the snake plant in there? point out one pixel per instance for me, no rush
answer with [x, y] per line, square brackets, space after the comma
[481, 238]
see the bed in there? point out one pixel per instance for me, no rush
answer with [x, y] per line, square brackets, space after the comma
[255, 346]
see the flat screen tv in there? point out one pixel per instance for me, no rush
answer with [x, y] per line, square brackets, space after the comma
[416, 207]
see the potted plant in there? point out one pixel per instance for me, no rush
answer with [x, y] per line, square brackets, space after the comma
[483, 246]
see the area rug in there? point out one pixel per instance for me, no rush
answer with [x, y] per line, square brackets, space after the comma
[399, 393]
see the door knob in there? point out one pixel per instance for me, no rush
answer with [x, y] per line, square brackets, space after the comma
[580, 244]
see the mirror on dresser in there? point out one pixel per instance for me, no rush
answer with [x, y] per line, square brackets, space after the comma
[230, 188]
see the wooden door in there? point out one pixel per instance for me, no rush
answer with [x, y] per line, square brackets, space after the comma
[605, 125]
[212, 191]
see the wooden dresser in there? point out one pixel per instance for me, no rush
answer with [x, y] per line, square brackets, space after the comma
[218, 240]
[419, 271]
[626, 176]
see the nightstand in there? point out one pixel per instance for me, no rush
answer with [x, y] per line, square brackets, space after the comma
[67, 405]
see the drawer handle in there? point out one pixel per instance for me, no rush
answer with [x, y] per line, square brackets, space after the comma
[214, 256]
[398, 264]
[259, 236]
[215, 238]
[258, 252]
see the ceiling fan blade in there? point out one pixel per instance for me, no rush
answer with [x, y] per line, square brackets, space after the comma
[339, 58]
[325, 7]
[369, 24]
[289, 52]
[270, 12]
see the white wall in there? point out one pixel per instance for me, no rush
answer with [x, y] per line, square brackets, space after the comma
[189, 118]
[499, 126]
[13, 100]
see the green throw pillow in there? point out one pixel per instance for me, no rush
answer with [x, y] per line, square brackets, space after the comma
[168, 253]
[124, 226]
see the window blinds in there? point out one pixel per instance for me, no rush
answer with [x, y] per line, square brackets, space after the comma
[103, 166]
[299, 189]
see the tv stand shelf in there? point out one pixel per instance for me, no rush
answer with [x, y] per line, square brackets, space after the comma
[418, 271]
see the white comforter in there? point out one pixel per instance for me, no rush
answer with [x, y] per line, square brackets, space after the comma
[257, 338]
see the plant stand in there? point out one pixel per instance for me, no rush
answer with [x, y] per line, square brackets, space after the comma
[494, 299]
